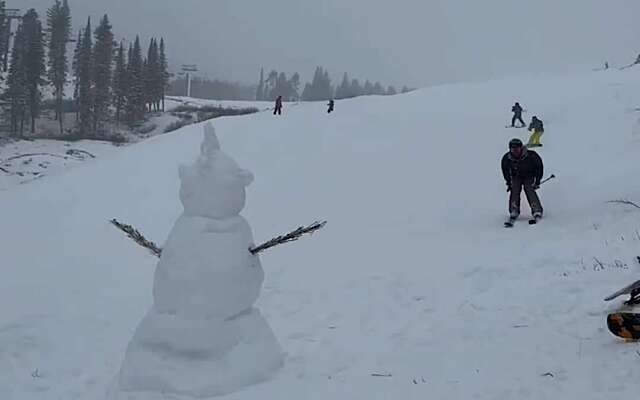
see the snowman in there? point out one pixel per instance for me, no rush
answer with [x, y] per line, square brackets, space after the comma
[203, 337]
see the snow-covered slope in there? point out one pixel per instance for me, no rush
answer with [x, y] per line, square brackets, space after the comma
[414, 276]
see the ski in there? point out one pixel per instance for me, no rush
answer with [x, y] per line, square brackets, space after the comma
[509, 223]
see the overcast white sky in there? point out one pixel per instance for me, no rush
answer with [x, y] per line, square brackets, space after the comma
[414, 42]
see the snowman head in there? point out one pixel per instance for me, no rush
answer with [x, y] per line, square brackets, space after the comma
[214, 186]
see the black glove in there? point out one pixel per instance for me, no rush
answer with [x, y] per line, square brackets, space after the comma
[536, 185]
[508, 187]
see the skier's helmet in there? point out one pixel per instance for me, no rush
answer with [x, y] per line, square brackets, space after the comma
[515, 143]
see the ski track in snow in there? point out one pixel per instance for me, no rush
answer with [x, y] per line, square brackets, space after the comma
[413, 280]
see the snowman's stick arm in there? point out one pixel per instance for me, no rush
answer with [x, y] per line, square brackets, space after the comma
[139, 238]
[289, 237]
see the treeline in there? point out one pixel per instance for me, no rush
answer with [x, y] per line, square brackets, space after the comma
[212, 89]
[112, 83]
[320, 88]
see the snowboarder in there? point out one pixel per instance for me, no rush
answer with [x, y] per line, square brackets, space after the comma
[331, 104]
[522, 168]
[278, 108]
[536, 127]
[517, 115]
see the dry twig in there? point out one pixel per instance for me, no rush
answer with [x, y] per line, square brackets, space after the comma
[139, 238]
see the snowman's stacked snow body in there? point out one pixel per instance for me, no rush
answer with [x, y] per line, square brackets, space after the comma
[202, 336]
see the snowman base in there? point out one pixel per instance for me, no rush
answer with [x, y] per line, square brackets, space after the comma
[197, 358]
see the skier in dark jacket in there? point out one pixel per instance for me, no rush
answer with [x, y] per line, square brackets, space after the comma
[517, 115]
[278, 108]
[331, 104]
[522, 169]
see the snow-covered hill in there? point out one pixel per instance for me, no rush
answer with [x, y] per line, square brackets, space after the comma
[413, 278]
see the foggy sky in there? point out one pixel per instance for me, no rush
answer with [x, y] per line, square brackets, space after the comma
[413, 42]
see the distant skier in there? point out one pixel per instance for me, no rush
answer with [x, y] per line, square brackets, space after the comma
[331, 104]
[278, 108]
[517, 115]
[536, 127]
[522, 168]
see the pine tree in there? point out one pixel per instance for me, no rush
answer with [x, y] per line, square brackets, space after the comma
[59, 34]
[368, 88]
[307, 92]
[120, 82]
[260, 89]
[270, 88]
[391, 91]
[356, 88]
[326, 88]
[85, 93]
[135, 92]
[342, 92]
[152, 76]
[75, 67]
[294, 87]
[34, 63]
[4, 36]
[164, 69]
[16, 91]
[378, 89]
[102, 75]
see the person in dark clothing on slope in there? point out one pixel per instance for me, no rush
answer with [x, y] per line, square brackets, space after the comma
[278, 108]
[331, 104]
[522, 169]
[517, 115]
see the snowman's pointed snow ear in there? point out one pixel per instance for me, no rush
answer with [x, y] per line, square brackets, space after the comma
[245, 176]
[210, 143]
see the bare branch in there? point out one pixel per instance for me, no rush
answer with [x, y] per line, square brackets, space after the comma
[289, 237]
[137, 237]
[626, 202]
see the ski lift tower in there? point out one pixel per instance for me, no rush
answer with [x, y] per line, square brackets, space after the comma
[11, 14]
[188, 69]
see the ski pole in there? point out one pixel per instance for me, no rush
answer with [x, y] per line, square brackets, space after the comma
[548, 179]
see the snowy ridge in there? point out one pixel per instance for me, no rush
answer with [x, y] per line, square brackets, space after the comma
[414, 280]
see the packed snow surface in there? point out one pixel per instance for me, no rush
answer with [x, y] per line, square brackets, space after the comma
[413, 290]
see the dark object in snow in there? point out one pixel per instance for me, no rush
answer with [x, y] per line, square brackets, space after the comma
[137, 237]
[535, 219]
[626, 202]
[624, 325]
[517, 115]
[632, 290]
[289, 237]
[156, 251]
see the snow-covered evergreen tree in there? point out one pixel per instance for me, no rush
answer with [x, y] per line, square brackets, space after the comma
[120, 82]
[84, 68]
[164, 68]
[102, 75]
[58, 35]
[34, 63]
[4, 36]
[135, 93]
[16, 92]
[260, 89]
